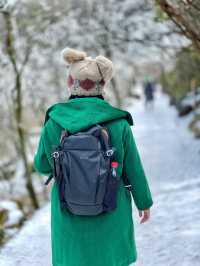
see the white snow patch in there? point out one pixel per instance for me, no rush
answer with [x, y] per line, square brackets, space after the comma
[14, 213]
[31, 246]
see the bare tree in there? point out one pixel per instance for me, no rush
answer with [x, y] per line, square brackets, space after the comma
[186, 15]
[17, 103]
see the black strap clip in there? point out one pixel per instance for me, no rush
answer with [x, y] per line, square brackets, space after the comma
[48, 179]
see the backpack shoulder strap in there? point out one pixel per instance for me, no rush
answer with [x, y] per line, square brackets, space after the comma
[105, 136]
[64, 133]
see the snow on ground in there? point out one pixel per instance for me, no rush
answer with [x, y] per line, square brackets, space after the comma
[171, 159]
[14, 213]
[31, 246]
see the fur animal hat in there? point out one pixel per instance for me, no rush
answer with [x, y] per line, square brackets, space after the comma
[87, 76]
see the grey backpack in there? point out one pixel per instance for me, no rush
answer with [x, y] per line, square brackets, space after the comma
[85, 177]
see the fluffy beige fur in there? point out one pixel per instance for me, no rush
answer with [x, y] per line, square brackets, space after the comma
[71, 55]
[106, 67]
[83, 67]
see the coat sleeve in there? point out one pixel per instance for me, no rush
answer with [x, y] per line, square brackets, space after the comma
[41, 162]
[133, 170]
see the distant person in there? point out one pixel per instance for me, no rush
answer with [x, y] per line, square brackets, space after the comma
[149, 89]
[91, 208]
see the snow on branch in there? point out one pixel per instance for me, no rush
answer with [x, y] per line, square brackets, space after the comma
[7, 5]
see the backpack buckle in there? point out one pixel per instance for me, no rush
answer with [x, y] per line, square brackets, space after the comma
[109, 152]
[128, 187]
[55, 154]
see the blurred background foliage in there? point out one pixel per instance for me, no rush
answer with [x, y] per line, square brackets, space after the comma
[184, 76]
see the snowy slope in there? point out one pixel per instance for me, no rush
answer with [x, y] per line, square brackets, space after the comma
[171, 159]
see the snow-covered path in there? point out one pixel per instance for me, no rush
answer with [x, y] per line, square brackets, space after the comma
[171, 159]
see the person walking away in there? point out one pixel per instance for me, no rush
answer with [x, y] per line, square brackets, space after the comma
[149, 90]
[107, 238]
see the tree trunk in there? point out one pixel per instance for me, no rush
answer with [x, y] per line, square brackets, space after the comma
[116, 92]
[113, 80]
[17, 103]
[183, 18]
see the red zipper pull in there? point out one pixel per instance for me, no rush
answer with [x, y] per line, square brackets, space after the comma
[114, 166]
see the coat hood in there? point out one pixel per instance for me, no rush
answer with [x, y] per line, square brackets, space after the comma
[81, 113]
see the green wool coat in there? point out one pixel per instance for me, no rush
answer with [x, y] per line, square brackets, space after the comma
[106, 239]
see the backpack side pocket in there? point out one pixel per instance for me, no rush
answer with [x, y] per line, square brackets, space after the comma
[110, 199]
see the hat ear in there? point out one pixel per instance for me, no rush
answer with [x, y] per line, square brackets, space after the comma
[106, 67]
[71, 56]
